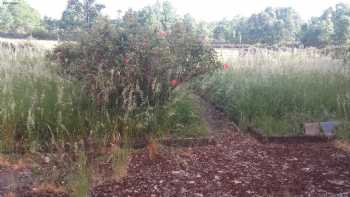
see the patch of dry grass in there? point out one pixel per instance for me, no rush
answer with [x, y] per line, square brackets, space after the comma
[48, 187]
[120, 162]
[4, 161]
[47, 44]
[152, 148]
[10, 194]
[13, 163]
[343, 145]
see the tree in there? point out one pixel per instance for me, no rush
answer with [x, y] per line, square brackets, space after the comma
[327, 27]
[221, 31]
[91, 10]
[50, 24]
[78, 16]
[6, 19]
[332, 27]
[273, 26]
[189, 22]
[312, 33]
[229, 31]
[319, 31]
[342, 24]
[203, 31]
[19, 18]
[72, 17]
[167, 15]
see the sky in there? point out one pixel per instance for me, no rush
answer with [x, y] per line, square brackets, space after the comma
[207, 10]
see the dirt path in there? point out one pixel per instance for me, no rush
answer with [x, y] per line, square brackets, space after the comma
[237, 165]
[13, 180]
[217, 121]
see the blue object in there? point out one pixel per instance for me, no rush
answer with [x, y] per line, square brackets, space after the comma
[328, 128]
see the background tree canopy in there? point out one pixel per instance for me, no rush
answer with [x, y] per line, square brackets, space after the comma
[19, 18]
[272, 26]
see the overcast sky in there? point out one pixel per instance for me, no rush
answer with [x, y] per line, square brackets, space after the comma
[208, 10]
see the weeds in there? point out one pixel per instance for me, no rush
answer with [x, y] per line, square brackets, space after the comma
[280, 90]
[38, 107]
[120, 162]
[183, 115]
[152, 148]
[80, 182]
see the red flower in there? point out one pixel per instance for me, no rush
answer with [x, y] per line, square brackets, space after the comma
[226, 66]
[126, 60]
[173, 83]
[163, 33]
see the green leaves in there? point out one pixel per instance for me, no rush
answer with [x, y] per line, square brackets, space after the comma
[19, 18]
[129, 66]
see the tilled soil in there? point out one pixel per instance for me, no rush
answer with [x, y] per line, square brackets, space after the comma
[12, 180]
[238, 165]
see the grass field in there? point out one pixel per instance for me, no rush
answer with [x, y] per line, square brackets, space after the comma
[45, 44]
[38, 107]
[278, 91]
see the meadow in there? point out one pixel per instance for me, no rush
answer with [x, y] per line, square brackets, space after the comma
[39, 108]
[274, 90]
[280, 90]
[146, 103]
[45, 113]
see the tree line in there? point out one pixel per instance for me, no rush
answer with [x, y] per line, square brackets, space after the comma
[21, 19]
[272, 26]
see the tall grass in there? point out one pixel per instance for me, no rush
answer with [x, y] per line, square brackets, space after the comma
[280, 90]
[183, 115]
[38, 107]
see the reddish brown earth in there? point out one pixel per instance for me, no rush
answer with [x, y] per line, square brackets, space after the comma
[236, 165]
[11, 179]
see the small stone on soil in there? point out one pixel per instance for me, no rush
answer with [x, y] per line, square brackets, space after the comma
[336, 182]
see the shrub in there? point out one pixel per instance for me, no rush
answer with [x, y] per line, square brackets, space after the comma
[128, 67]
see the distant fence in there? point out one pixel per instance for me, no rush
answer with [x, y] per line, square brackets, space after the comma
[42, 35]
[14, 35]
[243, 46]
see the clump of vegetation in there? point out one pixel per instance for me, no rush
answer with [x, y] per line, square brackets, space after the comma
[129, 70]
[153, 149]
[279, 91]
[183, 116]
[130, 67]
[343, 130]
[37, 105]
[80, 180]
[115, 79]
[120, 161]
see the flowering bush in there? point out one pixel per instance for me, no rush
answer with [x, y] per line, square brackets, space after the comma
[226, 66]
[128, 66]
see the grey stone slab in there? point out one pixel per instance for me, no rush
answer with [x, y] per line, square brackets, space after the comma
[312, 129]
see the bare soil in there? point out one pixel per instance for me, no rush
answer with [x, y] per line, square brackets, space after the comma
[238, 165]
